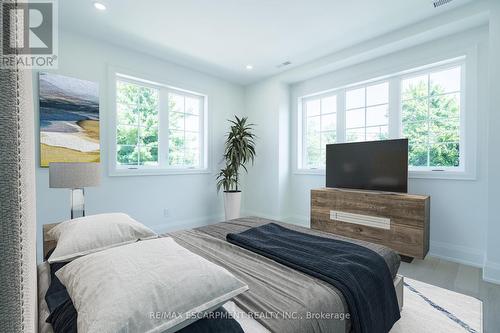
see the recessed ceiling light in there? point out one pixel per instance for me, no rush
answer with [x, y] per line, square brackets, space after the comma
[249, 67]
[99, 6]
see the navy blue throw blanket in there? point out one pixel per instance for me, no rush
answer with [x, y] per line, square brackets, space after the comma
[358, 272]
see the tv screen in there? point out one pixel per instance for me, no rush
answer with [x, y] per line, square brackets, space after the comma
[373, 165]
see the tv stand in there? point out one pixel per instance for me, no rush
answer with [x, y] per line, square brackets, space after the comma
[397, 220]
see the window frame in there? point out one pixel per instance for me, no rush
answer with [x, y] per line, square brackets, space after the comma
[303, 121]
[365, 86]
[425, 172]
[467, 168]
[163, 168]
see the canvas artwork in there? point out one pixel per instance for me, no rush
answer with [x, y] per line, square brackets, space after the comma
[69, 119]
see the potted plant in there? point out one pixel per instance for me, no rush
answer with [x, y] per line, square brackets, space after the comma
[239, 150]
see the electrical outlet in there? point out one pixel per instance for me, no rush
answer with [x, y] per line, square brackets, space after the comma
[166, 213]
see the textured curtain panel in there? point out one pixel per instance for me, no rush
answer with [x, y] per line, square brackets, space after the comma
[18, 302]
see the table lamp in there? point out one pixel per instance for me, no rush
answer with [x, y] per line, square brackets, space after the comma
[75, 176]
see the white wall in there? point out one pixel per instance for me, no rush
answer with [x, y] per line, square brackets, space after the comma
[464, 222]
[266, 105]
[492, 264]
[190, 199]
[457, 232]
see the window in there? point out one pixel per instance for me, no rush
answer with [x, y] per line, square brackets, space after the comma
[320, 128]
[137, 125]
[367, 112]
[159, 129]
[184, 130]
[424, 105]
[430, 105]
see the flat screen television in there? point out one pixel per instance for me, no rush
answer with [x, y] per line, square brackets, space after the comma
[373, 165]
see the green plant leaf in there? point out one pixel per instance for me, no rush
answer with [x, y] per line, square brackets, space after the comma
[239, 150]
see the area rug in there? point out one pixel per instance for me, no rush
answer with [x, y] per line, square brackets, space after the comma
[428, 308]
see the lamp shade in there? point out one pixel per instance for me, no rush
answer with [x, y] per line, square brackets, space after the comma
[73, 175]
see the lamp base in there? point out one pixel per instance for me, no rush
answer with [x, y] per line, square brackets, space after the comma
[77, 203]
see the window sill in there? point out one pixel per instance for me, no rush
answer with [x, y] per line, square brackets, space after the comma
[156, 172]
[446, 175]
[412, 174]
[317, 172]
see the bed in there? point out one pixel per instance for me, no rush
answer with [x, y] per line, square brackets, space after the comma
[277, 293]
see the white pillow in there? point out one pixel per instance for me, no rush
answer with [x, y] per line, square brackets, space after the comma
[84, 235]
[141, 287]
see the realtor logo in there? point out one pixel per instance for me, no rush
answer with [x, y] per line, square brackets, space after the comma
[29, 33]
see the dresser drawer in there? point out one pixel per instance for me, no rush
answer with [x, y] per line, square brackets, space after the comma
[399, 221]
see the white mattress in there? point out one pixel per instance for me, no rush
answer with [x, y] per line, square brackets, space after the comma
[247, 323]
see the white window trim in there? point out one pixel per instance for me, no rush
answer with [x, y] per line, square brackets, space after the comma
[364, 85]
[163, 168]
[462, 172]
[303, 123]
[468, 135]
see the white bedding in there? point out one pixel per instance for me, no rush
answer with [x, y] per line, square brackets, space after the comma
[149, 286]
[248, 324]
[43, 309]
[78, 237]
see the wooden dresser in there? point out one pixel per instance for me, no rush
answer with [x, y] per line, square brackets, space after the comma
[399, 221]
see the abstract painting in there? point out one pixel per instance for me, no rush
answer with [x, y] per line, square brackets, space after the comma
[69, 119]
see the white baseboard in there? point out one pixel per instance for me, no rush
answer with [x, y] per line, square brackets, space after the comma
[491, 272]
[186, 224]
[299, 220]
[245, 213]
[456, 253]
[292, 219]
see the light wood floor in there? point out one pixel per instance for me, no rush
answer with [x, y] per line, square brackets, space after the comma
[460, 278]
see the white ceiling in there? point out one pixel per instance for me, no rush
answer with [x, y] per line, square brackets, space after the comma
[221, 37]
